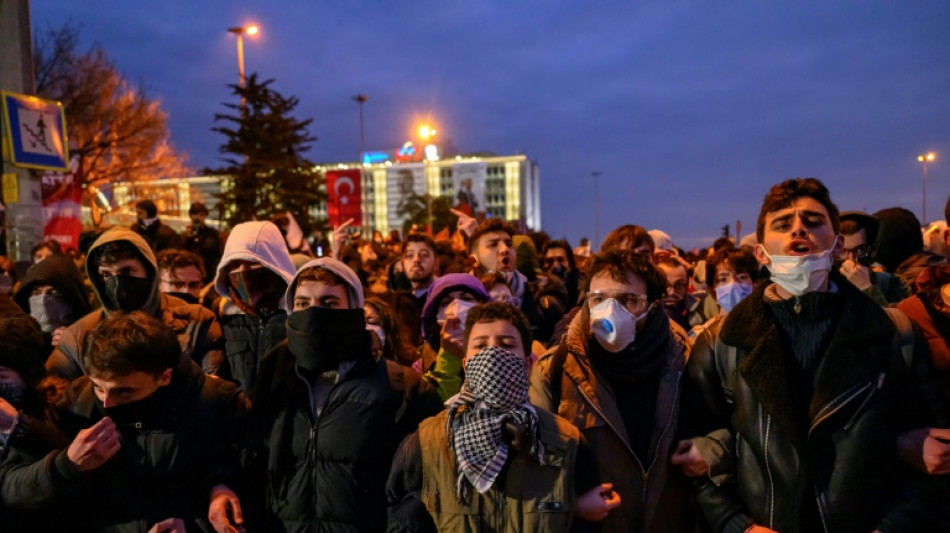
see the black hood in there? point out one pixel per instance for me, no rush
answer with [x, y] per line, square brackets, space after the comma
[61, 273]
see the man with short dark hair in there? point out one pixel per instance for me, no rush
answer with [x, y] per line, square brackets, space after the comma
[814, 382]
[616, 376]
[420, 266]
[153, 441]
[859, 233]
[150, 227]
[180, 274]
[557, 258]
[682, 307]
[124, 275]
[203, 240]
[492, 248]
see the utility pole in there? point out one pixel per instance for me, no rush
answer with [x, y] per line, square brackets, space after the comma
[24, 221]
[596, 174]
[361, 99]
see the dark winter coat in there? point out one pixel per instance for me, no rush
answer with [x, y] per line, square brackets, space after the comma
[206, 242]
[246, 339]
[328, 473]
[654, 494]
[835, 468]
[165, 469]
[197, 328]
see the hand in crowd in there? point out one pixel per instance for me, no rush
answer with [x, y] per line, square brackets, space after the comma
[687, 457]
[857, 274]
[453, 332]
[95, 445]
[340, 236]
[225, 513]
[595, 504]
[937, 451]
[466, 224]
[171, 525]
[57, 334]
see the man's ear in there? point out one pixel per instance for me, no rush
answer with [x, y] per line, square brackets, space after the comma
[166, 378]
[837, 249]
[473, 259]
[946, 236]
[760, 255]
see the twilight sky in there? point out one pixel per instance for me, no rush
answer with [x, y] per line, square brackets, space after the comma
[691, 110]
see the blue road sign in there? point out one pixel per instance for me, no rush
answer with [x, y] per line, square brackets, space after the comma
[37, 131]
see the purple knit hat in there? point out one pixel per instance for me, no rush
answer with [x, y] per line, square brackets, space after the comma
[444, 285]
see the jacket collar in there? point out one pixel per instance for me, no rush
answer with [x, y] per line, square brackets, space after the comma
[862, 327]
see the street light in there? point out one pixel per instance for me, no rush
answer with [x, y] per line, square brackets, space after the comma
[924, 159]
[361, 99]
[241, 31]
[426, 132]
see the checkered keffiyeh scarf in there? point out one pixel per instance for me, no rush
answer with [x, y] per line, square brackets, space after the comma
[495, 391]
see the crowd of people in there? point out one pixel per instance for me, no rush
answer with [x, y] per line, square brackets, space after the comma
[796, 381]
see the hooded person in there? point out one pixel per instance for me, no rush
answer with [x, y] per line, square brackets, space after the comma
[443, 325]
[53, 293]
[324, 377]
[124, 276]
[252, 277]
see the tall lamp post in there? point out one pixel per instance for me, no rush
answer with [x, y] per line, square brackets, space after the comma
[426, 132]
[241, 31]
[596, 175]
[924, 159]
[361, 99]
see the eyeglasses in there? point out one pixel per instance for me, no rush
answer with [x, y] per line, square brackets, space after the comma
[857, 253]
[632, 302]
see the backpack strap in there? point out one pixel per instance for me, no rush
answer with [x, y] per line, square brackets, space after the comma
[905, 333]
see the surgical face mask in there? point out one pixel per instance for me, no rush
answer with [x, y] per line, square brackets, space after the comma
[127, 293]
[613, 326]
[730, 294]
[379, 331]
[50, 310]
[800, 274]
[457, 309]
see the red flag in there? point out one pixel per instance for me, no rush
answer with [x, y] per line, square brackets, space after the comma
[343, 196]
[62, 205]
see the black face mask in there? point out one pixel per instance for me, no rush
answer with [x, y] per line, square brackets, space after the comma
[558, 270]
[320, 338]
[127, 293]
[147, 411]
[259, 288]
[186, 296]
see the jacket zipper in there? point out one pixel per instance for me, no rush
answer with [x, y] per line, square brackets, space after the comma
[644, 473]
[768, 466]
[669, 422]
[313, 471]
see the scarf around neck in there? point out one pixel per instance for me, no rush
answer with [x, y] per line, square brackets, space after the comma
[495, 392]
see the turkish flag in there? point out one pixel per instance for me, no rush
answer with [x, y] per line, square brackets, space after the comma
[343, 196]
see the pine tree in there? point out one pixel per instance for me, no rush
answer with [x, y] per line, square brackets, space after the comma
[267, 170]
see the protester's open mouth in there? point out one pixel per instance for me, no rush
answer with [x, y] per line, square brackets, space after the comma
[505, 261]
[800, 247]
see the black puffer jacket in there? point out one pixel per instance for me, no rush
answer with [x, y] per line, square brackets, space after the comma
[329, 473]
[833, 468]
[246, 339]
[165, 469]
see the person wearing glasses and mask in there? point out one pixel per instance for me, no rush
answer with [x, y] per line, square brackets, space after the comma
[616, 376]
[859, 232]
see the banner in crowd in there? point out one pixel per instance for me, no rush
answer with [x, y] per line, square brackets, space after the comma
[405, 184]
[344, 196]
[469, 180]
[62, 205]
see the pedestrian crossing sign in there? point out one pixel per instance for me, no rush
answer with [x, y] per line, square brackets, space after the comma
[37, 132]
